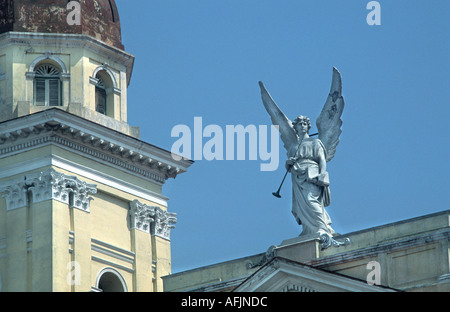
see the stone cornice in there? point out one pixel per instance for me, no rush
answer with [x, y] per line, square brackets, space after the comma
[390, 246]
[55, 126]
[282, 274]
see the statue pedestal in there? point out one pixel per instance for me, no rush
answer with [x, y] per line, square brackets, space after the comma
[300, 239]
[303, 248]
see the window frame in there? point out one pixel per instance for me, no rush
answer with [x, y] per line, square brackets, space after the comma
[47, 73]
[100, 89]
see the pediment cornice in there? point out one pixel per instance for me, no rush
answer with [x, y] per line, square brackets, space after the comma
[281, 275]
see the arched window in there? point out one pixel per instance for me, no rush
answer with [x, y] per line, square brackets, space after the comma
[109, 280]
[104, 93]
[47, 86]
[100, 96]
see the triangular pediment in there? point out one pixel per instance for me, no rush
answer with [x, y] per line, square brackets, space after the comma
[283, 275]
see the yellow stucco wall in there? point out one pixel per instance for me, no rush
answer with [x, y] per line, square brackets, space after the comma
[48, 245]
[47, 266]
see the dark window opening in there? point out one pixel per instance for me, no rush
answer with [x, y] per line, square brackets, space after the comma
[100, 96]
[109, 282]
[47, 86]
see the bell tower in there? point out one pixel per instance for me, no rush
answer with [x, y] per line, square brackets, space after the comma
[81, 69]
[82, 207]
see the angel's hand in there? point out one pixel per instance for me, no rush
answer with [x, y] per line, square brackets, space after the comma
[290, 162]
[288, 167]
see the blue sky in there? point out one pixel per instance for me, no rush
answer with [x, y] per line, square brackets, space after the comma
[204, 58]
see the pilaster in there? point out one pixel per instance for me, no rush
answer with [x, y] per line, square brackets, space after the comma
[15, 278]
[81, 254]
[141, 217]
[150, 226]
[38, 225]
[39, 247]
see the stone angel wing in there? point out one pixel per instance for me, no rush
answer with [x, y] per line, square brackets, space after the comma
[287, 132]
[329, 121]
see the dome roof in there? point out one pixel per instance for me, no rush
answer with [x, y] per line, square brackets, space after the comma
[99, 18]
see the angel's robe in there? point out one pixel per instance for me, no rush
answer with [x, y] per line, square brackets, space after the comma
[309, 195]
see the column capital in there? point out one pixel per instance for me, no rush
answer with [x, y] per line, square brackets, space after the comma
[48, 185]
[141, 215]
[15, 193]
[151, 219]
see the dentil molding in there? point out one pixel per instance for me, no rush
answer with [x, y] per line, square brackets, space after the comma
[109, 147]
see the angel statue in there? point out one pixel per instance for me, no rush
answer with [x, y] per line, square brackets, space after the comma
[307, 160]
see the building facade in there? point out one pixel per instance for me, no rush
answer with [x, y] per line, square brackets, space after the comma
[410, 255]
[82, 206]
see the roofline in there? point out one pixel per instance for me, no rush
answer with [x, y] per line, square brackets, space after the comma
[60, 119]
[285, 260]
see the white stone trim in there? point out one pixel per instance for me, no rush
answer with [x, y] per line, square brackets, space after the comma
[102, 178]
[164, 221]
[107, 69]
[48, 185]
[112, 254]
[141, 216]
[151, 219]
[93, 81]
[48, 57]
[116, 273]
[15, 194]
[280, 273]
[89, 139]
[24, 167]
[409, 242]
[124, 252]
[112, 264]
[82, 171]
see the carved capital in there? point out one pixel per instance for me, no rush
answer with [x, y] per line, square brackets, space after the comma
[141, 216]
[49, 185]
[151, 219]
[80, 193]
[15, 194]
[164, 222]
[52, 184]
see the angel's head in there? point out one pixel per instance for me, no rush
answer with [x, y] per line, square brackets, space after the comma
[301, 124]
